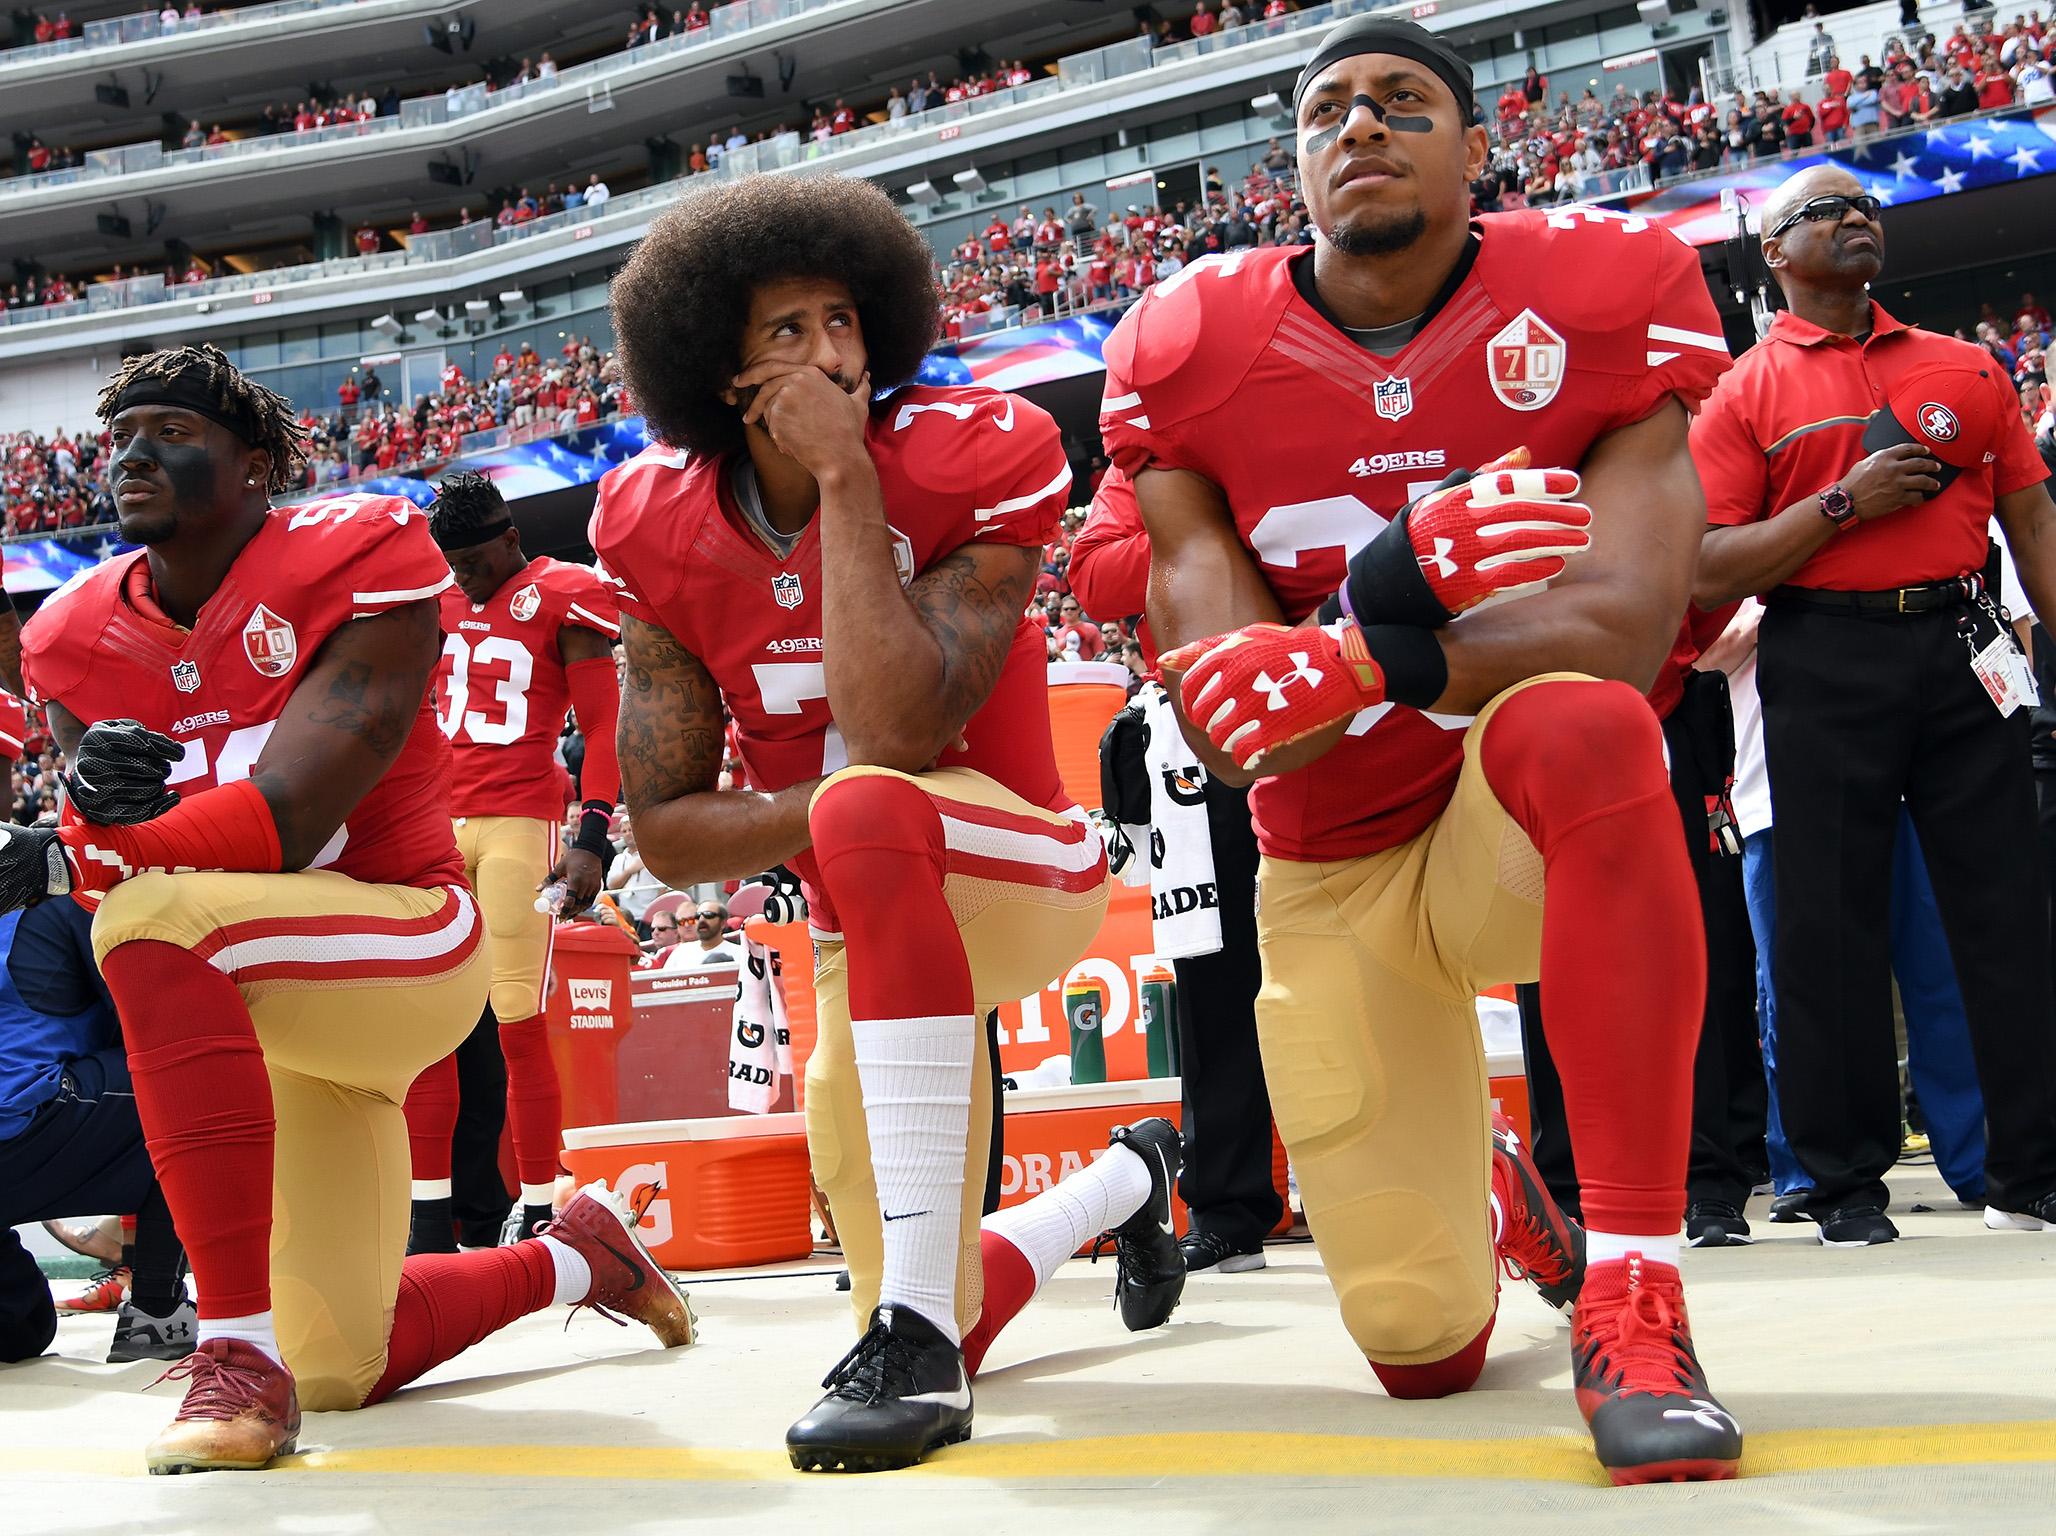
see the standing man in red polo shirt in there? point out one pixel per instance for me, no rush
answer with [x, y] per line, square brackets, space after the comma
[1852, 464]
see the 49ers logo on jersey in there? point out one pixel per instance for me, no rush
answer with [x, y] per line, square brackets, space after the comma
[270, 643]
[1527, 361]
[524, 603]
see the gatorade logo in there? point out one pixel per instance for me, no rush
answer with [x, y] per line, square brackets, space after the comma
[655, 1228]
[1033, 1172]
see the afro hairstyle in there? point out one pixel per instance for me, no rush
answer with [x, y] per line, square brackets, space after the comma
[680, 303]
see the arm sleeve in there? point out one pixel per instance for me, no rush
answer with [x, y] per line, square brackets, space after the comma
[596, 700]
[1730, 462]
[1684, 352]
[1109, 569]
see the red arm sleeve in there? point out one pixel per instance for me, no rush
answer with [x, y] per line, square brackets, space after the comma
[596, 700]
[229, 827]
[1109, 571]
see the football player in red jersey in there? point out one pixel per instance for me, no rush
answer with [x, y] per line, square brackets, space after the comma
[522, 639]
[1422, 782]
[256, 803]
[848, 575]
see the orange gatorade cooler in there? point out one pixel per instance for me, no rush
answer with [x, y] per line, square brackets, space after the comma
[1083, 697]
[730, 1191]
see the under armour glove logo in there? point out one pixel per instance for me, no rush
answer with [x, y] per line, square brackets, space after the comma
[117, 774]
[1300, 673]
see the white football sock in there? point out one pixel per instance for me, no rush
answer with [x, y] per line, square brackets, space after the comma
[431, 1189]
[574, 1275]
[916, 1077]
[1064, 1218]
[1603, 1246]
[254, 1329]
[538, 1194]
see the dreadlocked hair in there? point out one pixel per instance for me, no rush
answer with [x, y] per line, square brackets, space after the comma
[680, 304]
[464, 504]
[208, 367]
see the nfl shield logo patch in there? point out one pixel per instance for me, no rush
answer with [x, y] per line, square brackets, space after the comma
[1526, 360]
[185, 677]
[524, 603]
[786, 588]
[270, 643]
[1394, 398]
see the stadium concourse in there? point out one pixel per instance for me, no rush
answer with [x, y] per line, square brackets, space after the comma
[1897, 1390]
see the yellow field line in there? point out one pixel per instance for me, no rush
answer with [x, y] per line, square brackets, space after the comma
[1562, 1458]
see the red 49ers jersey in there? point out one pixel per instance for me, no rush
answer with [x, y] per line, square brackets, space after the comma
[14, 724]
[1569, 325]
[955, 465]
[501, 692]
[310, 570]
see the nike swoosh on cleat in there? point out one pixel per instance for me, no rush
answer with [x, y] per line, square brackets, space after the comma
[1164, 1163]
[960, 1398]
[634, 1269]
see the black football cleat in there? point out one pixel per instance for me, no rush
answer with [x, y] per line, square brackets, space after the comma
[898, 1395]
[140, 1335]
[523, 1222]
[1535, 1240]
[1639, 1383]
[1149, 1266]
[1715, 1224]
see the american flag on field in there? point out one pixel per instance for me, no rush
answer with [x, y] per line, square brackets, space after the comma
[1017, 359]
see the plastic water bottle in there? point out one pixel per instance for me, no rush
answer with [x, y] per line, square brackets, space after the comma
[1160, 1020]
[552, 897]
[1088, 1048]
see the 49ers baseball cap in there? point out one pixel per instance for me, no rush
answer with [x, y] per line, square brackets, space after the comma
[1951, 411]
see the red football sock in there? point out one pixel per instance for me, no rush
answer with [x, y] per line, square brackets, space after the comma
[1438, 1378]
[449, 1301]
[432, 1105]
[1009, 1286]
[535, 1105]
[1579, 765]
[205, 1104]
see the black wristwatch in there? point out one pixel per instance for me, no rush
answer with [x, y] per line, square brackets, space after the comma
[1837, 507]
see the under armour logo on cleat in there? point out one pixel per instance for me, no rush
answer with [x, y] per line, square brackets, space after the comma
[1301, 672]
[1707, 1415]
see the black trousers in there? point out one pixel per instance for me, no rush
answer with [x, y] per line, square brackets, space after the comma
[82, 1155]
[1730, 1101]
[1226, 1180]
[1859, 712]
[479, 1197]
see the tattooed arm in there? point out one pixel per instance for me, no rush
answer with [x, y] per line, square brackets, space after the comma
[670, 747]
[345, 725]
[907, 669]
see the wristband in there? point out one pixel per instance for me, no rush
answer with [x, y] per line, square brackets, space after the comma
[1386, 585]
[1415, 669]
[592, 834]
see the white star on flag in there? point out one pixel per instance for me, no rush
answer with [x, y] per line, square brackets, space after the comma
[2024, 161]
[1883, 194]
[1938, 136]
[1902, 168]
[103, 550]
[1950, 181]
[1979, 146]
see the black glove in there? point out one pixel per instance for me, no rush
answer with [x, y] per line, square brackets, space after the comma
[32, 866]
[117, 774]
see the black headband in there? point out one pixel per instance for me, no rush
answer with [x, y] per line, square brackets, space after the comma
[1379, 34]
[188, 395]
[470, 537]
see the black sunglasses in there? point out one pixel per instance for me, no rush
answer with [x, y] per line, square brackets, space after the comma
[1834, 206]
[708, 917]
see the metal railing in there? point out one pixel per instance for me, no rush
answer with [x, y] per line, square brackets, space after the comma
[148, 26]
[787, 151]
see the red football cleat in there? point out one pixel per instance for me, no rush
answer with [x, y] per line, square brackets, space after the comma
[1536, 1241]
[104, 1294]
[626, 1280]
[240, 1411]
[1640, 1386]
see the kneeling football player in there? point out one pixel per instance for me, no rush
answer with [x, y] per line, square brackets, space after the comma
[258, 806]
[847, 574]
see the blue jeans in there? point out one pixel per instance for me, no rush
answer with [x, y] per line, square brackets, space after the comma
[1937, 1035]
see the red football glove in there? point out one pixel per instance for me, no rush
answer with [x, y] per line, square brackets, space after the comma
[1472, 537]
[1503, 528]
[1263, 687]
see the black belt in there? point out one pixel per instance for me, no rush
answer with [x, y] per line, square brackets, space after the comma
[1926, 598]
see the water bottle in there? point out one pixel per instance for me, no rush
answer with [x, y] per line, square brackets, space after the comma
[1088, 1049]
[1160, 1020]
[552, 898]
